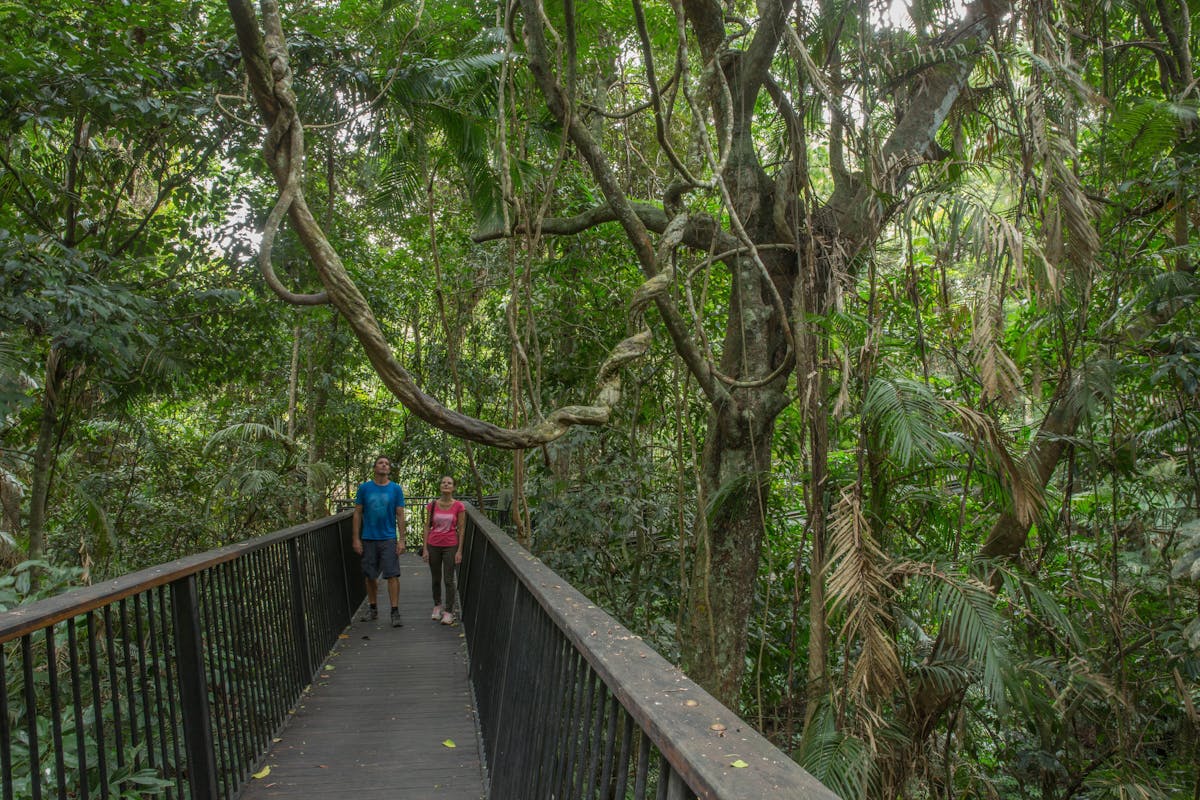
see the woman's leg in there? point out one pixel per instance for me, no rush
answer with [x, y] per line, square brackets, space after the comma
[435, 571]
[448, 576]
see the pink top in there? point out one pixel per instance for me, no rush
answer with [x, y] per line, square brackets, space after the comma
[443, 524]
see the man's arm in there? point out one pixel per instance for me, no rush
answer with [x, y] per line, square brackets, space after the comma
[401, 529]
[356, 529]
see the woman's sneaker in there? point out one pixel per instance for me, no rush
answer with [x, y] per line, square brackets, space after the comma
[447, 618]
[437, 613]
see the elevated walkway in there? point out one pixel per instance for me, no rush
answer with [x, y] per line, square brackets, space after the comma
[375, 720]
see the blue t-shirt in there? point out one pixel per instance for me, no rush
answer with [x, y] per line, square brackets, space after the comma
[379, 508]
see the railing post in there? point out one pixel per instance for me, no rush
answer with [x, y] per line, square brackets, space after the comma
[299, 624]
[193, 689]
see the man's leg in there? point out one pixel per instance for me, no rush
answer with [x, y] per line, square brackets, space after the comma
[391, 570]
[370, 566]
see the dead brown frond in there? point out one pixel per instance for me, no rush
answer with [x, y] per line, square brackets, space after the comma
[859, 589]
[1023, 486]
[998, 374]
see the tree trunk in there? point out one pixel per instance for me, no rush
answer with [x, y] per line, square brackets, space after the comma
[735, 480]
[44, 454]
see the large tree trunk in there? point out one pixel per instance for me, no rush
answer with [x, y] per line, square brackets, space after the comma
[728, 542]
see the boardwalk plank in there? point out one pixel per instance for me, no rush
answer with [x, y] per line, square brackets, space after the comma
[373, 722]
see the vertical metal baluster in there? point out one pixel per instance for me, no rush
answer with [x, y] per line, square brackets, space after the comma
[227, 660]
[114, 686]
[314, 573]
[276, 579]
[622, 778]
[526, 775]
[522, 699]
[610, 735]
[299, 623]
[60, 766]
[643, 767]
[6, 732]
[170, 646]
[555, 754]
[147, 730]
[569, 720]
[676, 788]
[271, 651]
[664, 776]
[97, 705]
[31, 718]
[77, 702]
[581, 723]
[237, 630]
[596, 744]
[130, 690]
[193, 688]
[154, 618]
[211, 656]
[550, 703]
[248, 627]
[289, 608]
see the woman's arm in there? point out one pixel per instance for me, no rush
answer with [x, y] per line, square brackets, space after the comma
[462, 529]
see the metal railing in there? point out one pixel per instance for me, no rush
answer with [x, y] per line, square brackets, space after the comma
[572, 705]
[172, 680]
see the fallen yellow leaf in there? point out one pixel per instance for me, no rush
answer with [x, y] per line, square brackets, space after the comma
[449, 743]
[262, 773]
[739, 764]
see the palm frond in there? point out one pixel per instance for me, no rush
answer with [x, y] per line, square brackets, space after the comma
[971, 626]
[256, 481]
[246, 432]
[842, 762]
[905, 413]
[993, 447]
[1042, 605]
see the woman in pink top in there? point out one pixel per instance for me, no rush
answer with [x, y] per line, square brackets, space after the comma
[443, 547]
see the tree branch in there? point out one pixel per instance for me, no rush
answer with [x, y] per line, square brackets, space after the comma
[703, 232]
[635, 230]
[284, 150]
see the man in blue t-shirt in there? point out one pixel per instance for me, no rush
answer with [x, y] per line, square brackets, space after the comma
[378, 516]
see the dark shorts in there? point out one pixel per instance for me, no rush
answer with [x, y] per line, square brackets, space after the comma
[379, 559]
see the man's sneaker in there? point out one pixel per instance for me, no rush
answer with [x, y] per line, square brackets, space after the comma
[437, 613]
[396, 623]
[369, 614]
[447, 618]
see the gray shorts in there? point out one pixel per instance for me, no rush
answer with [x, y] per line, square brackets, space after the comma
[379, 559]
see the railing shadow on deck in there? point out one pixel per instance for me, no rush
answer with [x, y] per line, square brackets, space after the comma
[172, 680]
[572, 705]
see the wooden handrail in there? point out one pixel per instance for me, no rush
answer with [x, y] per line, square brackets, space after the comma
[21, 620]
[699, 736]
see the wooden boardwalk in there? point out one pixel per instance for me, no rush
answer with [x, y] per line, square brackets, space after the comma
[374, 724]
